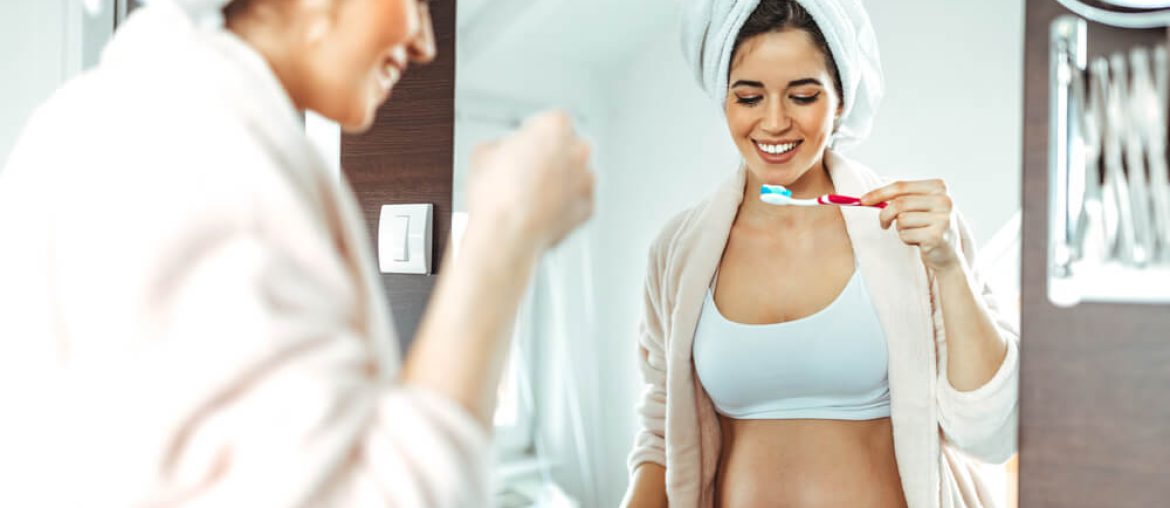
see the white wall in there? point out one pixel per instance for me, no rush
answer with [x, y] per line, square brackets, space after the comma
[32, 47]
[954, 101]
[42, 44]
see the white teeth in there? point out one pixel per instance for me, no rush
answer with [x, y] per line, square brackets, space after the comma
[389, 75]
[776, 149]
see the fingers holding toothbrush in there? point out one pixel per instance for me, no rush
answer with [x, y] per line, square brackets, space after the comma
[921, 211]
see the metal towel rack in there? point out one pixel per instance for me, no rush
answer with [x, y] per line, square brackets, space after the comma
[1109, 197]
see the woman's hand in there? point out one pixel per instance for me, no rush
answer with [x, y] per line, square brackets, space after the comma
[921, 211]
[534, 186]
[648, 487]
[527, 191]
[976, 349]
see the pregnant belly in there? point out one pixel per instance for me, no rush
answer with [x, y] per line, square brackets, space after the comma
[808, 464]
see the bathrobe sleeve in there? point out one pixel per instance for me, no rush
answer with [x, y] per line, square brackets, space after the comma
[289, 405]
[983, 422]
[219, 350]
[650, 443]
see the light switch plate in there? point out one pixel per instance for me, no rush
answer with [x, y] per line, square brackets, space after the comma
[415, 241]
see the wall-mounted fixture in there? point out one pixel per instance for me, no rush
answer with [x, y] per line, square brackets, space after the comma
[1122, 13]
[404, 238]
[1109, 178]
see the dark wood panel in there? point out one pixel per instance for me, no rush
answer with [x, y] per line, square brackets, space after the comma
[1095, 409]
[407, 157]
[123, 8]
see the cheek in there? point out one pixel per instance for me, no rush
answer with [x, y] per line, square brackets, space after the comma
[343, 86]
[370, 28]
[818, 119]
[349, 72]
[389, 23]
[739, 122]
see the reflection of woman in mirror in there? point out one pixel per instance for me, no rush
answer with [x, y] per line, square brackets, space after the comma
[814, 356]
[189, 311]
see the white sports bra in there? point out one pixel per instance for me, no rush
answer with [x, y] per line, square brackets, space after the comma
[830, 365]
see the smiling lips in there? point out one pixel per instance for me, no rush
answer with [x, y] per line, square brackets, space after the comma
[776, 153]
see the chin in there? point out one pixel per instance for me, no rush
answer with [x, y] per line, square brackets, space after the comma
[356, 127]
[354, 116]
[360, 123]
[772, 172]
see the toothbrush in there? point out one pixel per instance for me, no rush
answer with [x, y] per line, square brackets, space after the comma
[780, 196]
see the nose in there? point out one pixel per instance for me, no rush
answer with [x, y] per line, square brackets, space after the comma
[421, 48]
[775, 117]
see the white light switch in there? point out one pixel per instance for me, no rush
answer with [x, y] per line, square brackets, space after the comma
[404, 239]
[400, 241]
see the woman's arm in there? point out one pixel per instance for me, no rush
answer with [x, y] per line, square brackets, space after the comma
[922, 212]
[981, 421]
[647, 487]
[646, 462]
[975, 349]
[462, 341]
[527, 192]
[978, 348]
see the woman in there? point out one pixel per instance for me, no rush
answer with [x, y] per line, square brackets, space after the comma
[814, 356]
[189, 310]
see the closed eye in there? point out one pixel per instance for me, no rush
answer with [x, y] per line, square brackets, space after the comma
[806, 99]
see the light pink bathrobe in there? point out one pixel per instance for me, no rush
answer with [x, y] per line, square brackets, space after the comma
[189, 309]
[937, 430]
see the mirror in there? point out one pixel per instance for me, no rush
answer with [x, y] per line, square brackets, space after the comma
[952, 109]
[1122, 13]
[1139, 4]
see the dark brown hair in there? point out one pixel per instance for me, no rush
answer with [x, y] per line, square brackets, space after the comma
[779, 15]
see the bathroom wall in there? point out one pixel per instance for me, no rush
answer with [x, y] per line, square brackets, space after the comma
[42, 44]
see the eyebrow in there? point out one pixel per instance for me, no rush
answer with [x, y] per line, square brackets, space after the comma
[793, 83]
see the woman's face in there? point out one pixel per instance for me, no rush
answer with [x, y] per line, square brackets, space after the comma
[781, 105]
[356, 51]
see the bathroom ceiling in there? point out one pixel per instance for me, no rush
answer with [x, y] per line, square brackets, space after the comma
[597, 34]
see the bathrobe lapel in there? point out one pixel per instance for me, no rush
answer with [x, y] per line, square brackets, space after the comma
[697, 256]
[261, 101]
[899, 288]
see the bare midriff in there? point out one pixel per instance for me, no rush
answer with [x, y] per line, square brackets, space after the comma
[808, 464]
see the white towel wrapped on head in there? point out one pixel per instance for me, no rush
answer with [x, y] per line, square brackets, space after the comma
[710, 28]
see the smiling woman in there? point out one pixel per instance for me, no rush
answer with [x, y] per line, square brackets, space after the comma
[840, 395]
[661, 147]
[190, 309]
[783, 104]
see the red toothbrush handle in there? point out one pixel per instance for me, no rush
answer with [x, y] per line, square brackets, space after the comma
[837, 199]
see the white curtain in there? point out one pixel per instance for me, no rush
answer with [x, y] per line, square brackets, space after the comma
[565, 383]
